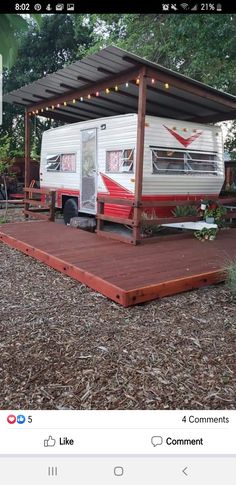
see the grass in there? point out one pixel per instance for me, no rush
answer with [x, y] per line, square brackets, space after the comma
[231, 277]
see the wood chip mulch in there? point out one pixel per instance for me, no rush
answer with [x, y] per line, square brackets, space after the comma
[64, 346]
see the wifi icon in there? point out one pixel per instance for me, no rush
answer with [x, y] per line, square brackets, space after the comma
[185, 6]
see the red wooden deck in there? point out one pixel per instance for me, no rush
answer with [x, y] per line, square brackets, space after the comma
[127, 274]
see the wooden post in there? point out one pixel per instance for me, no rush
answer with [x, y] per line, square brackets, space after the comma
[52, 195]
[27, 156]
[100, 210]
[139, 155]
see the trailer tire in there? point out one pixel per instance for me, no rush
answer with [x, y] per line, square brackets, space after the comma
[70, 210]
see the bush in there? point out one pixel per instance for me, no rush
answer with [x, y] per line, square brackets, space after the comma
[231, 278]
[206, 234]
[184, 211]
[147, 229]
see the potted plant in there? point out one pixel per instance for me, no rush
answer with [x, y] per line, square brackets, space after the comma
[206, 234]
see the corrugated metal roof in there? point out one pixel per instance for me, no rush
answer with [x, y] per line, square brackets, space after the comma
[176, 102]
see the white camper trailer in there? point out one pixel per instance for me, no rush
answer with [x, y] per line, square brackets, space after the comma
[182, 160]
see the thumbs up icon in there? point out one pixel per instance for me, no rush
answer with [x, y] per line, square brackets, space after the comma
[49, 442]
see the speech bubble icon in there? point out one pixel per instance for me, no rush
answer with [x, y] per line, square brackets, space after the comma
[156, 440]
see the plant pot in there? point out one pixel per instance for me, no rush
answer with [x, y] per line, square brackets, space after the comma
[203, 207]
[210, 220]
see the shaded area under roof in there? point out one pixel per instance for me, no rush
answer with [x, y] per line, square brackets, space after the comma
[186, 99]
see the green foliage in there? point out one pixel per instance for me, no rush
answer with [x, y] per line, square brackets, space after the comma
[40, 51]
[3, 220]
[200, 46]
[206, 234]
[11, 28]
[231, 278]
[217, 211]
[184, 211]
[147, 228]
[5, 162]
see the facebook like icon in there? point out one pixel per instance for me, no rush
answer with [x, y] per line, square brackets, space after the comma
[20, 419]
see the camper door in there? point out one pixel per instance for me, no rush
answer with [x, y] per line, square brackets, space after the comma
[88, 181]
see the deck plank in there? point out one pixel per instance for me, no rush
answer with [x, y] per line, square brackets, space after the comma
[126, 274]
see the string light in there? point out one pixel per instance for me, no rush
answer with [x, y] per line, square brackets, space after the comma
[89, 96]
[166, 85]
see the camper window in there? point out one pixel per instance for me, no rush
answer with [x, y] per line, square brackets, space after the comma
[118, 161]
[64, 162]
[177, 162]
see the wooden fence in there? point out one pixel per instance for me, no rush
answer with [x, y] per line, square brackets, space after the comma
[134, 223]
[35, 207]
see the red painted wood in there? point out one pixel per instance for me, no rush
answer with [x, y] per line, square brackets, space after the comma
[125, 273]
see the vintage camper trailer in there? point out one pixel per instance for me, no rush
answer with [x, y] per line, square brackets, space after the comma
[181, 160]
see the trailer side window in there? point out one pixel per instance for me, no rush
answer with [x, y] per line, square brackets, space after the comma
[177, 162]
[119, 161]
[64, 162]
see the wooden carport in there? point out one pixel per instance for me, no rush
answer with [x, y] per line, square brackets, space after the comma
[114, 81]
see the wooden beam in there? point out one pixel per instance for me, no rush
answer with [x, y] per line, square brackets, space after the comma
[96, 86]
[108, 199]
[139, 154]
[190, 87]
[27, 149]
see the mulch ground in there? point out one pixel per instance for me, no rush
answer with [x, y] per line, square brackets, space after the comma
[64, 346]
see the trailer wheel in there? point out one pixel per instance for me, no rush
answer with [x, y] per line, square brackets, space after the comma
[70, 210]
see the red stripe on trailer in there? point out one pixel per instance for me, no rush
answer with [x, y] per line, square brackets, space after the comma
[184, 141]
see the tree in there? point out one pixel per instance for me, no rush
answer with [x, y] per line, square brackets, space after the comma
[40, 52]
[200, 46]
[11, 26]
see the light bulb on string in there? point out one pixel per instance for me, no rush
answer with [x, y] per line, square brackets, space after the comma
[153, 81]
[137, 81]
[47, 108]
[107, 90]
[126, 85]
[116, 88]
[74, 101]
[166, 85]
[81, 98]
[89, 96]
[97, 93]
